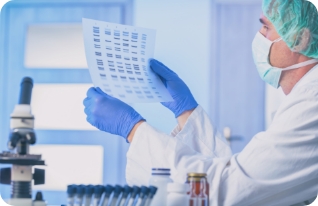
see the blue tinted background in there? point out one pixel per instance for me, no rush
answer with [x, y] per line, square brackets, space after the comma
[208, 43]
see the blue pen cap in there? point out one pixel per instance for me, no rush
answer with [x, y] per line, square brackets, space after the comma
[71, 190]
[80, 190]
[109, 189]
[98, 190]
[89, 189]
[118, 189]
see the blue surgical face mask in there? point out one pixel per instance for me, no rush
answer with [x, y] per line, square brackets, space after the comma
[261, 47]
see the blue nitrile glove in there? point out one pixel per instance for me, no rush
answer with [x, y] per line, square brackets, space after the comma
[109, 114]
[183, 99]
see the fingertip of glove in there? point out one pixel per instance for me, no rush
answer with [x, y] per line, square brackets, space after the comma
[152, 61]
[99, 90]
[85, 101]
[155, 65]
[90, 91]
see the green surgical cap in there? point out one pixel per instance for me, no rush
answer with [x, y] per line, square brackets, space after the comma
[296, 21]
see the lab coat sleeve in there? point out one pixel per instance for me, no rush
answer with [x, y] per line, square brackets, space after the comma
[277, 167]
[201, 136]
[147, 149]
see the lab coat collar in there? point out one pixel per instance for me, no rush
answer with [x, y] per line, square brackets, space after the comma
[310, 76]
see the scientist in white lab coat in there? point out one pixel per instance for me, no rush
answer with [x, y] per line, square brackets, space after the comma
[278, 166]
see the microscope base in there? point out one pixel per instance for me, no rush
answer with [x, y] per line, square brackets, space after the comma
[25, 202]
[20, 202]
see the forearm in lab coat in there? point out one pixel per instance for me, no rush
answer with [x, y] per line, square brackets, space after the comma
[278, 167]
[147, 148]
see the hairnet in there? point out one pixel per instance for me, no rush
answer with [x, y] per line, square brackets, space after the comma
[296, 21]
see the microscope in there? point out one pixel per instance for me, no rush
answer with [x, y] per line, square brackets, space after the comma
[22, 135]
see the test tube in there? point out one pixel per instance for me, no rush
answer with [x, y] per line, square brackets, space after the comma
[117, 191]
[108, 191]
[126, 191]
[152, 192]
[89, 189]
[71, 191]
[98, 191]
[142, 196]
[135, 192]
[80, 189]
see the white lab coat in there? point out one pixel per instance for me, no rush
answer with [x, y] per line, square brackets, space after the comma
[278, 166]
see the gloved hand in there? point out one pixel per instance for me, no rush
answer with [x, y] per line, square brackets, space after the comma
[183, 99]
[109, 114]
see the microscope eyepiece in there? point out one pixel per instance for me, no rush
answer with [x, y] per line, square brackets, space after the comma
[26, 90]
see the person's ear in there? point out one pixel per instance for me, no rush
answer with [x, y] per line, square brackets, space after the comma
[302, 40]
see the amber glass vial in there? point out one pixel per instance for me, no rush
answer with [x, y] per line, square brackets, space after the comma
[199, 189]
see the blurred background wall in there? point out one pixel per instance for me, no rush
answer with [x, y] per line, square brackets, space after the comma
[206, 42]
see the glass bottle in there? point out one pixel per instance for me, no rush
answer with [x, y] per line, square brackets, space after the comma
[199, 189]
[160, 178]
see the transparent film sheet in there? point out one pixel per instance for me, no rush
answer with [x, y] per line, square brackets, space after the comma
[118, 61]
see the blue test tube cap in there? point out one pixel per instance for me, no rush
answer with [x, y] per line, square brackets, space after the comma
[153, 190]
[89, 189]
[109, 189]
[144, 190]
[127, 189]
[135, 190]
[71, 190]
[80, 190]
[118, 189]
[98, 190]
